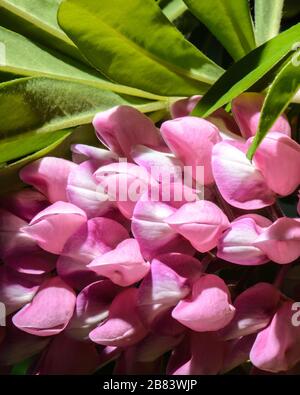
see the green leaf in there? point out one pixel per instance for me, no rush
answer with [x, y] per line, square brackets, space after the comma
[229, 20]
[268, 15]
[31, 108]
[247, 71]
[132, 42]
[9, 175]
[280, 94]
[174, 9]
[26, 58]
[37, 19]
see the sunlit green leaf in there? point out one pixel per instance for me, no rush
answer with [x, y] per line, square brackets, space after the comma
[134, 44]
[268, 15]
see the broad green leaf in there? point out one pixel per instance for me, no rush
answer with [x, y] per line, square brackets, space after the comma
[26, 58]
[9, 174]
[37, 19]
[174, 9]
[33, 107]
[133, 43]
[229, 20]
[268, 15]
[280, 94]
[247, 71]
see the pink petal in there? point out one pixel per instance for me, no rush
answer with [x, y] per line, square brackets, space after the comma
[279, 155]
[255, 308]
[183, 107]
[82, 153]
[240, 183]
[52, 227]
[237, 244]
[163, 167]
[123, 127]
[208, 308]
[50, 310]
[246, 110]
[276, 348]
[124, 265]
[84, 191]
[48, 175]
[281, 241]
[192, 139]
[123, 326]
[66, 356]
[154, 236]
[125, 183]
[201, 222]
[166, 284]
[92, 307]
[31, 260]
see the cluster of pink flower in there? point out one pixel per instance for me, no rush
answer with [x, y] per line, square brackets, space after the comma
[87, 280]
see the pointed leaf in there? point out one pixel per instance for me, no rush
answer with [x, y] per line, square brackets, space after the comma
[268, 15]
[230, 21]
[280, 94]
[244, 73]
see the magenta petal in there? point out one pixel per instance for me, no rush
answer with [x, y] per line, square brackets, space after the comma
[154, 236]
[208, 308]
[199, 353]
[123, 326]
[48, 175]
[191, 139]
[183, 107]
[241, 184]
[201, 222]
[281, 241]
[50, 310]
[17, 289]
[19, 345]
[266, 159]
[255, 308]
[237, 352]
[246, 110]
[96, 237]
[82, 153]
[13, 239]
[66, 356]
[92, 307]
[25, 204]
[123, 127]
[52, 227]
[84, 191]
[124, 265]
[237, 244]
[276, 348]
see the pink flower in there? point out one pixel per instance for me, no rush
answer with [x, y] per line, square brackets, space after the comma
[237, 244]
[246, 110]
